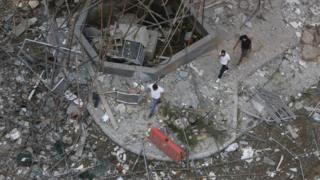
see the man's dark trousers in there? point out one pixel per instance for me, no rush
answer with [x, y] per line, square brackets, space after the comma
[222, 70]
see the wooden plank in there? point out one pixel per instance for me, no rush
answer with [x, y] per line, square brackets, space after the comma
[235, 110]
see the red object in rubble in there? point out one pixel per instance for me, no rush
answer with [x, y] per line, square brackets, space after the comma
[162, 142]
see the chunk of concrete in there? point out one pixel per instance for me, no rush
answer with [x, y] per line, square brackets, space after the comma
[316, 117]
[292, 131]
[181, 123]
[232, 147]
[258, 106]
[212, 176]
[14, 134]
[33, 3]
[183, 74]
[315, 10]
[59, 3]
[249, 24]
[121, 108]
[268, 161]
[61, 22]
[294, 169]
[295, 24]
[67, 140]
[24, 25]
[247, 154]
[298, 105]
[293, 1]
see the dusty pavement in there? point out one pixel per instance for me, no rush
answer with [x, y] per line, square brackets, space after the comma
[43, 135]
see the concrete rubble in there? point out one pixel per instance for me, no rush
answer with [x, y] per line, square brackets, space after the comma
[247, 154]
[14, 134]
[33, 4]
[24, 25]
[74, 101]
[232, 147]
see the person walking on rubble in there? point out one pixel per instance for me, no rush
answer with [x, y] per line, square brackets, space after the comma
[155, 93]
[245, 46]
[224, 58]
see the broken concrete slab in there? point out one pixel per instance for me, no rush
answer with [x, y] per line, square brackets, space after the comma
[33, 3]
[268, 161]
[316, 117]
[183, 74]
[292, 131]
[24, 25]
[232, 147]
[181, 123]
[14, 134]
[121, 108]
[247, 154]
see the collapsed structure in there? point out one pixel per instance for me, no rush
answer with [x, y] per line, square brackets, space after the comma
[85, 64]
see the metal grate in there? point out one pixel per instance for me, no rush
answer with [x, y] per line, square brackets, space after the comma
[131, 51]
[275, 109]
[61, 86]
[128, 98]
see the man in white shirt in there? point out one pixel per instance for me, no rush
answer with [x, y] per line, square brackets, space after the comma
[156, 92]
[224, 60]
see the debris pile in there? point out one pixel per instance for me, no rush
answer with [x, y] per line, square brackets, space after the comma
[50, 83]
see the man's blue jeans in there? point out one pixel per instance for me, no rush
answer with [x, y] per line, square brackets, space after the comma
[154, 103]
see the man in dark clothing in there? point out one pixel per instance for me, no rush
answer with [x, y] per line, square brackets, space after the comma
[245, 46]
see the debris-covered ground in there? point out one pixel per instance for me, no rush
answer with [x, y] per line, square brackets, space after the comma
[46, 131]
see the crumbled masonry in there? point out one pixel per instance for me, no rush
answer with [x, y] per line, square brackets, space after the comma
[74, 96]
